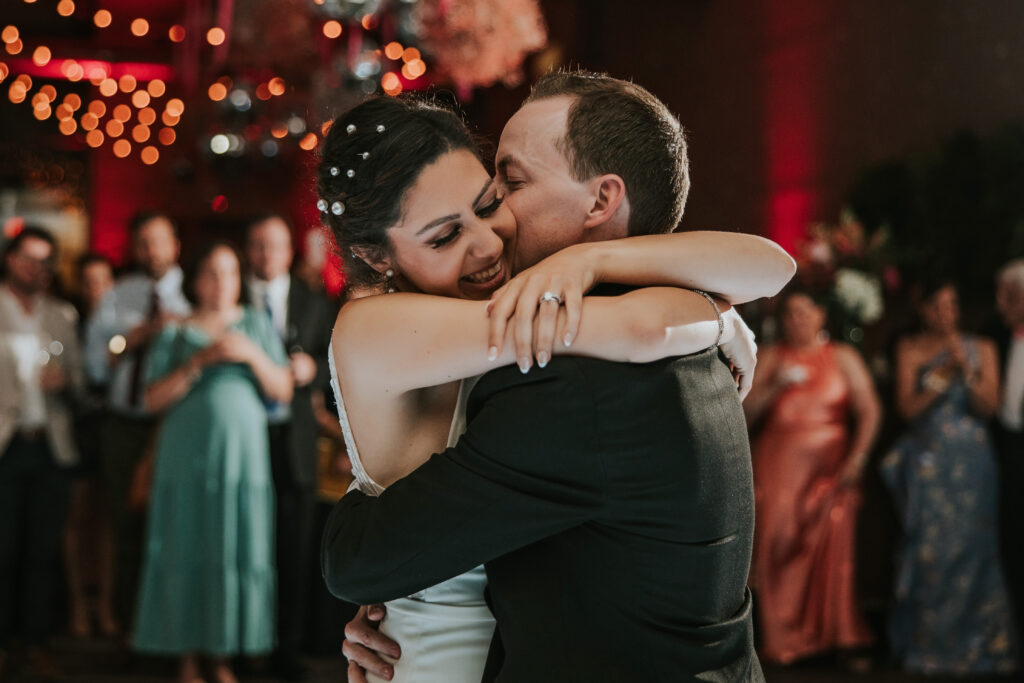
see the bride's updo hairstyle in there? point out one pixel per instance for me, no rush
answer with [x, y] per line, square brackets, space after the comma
[372, 155]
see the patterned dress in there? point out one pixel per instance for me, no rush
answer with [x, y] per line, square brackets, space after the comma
[208, 578]
[951, 612]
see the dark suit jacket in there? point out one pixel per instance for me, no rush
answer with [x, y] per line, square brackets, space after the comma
[612, 505]
[308, 328]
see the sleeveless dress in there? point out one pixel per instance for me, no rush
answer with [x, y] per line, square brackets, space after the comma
[444, 631]
[804, 550]
[951, 612]
[208, 576]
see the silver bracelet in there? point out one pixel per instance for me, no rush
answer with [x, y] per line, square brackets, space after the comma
[721, 323]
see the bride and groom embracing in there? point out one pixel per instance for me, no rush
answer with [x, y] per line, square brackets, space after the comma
[591, 486]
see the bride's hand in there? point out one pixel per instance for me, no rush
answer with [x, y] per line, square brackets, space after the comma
[532, 300]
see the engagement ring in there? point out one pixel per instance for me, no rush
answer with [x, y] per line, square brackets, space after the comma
[550, 296]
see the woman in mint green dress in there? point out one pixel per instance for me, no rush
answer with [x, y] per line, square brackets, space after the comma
[208, 568]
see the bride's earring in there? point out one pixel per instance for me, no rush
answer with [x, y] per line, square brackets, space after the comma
[389, 281]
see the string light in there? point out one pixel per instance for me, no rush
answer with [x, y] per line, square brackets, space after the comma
[140, 99]
[176, 33]
[332, 29]
[41, 56]
[122, 148]
[215, 36]
[65, 8]
[140, 27]
[102, 18]
[156, 88]
[149, 155]
[127, 83]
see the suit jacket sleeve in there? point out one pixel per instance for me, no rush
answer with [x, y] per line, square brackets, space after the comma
[524, 470]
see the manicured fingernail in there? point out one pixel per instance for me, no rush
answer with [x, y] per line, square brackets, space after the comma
[492, 353]
[490, 303]
[568, 339]
[542, 359]
[524, 364]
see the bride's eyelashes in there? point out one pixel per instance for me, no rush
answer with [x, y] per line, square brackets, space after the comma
[488, 210]
[448, 237]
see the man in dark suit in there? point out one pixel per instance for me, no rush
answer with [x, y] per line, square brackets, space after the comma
[1010, 427]
[302, 318]
[611, 503]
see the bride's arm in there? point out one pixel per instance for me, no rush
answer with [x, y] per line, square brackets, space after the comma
[399, 342]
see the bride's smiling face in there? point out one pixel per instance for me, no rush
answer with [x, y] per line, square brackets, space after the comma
[453, 232]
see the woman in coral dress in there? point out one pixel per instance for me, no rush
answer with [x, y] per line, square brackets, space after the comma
[807, 471]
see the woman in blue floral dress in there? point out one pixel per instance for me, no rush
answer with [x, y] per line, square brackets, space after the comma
[951, 611]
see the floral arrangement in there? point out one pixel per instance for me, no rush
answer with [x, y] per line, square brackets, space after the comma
[851, 269]
[479, 42]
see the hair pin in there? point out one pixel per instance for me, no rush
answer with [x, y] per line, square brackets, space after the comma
[337, 208]
[364, 155]
[350, 128]
[350, 173]
[321, 205]
[335, 170]
[380, 128]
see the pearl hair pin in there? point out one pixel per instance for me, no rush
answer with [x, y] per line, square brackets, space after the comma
[321, 205]
[337, 208]
[350, 173]
[350, 128]
[335, 170]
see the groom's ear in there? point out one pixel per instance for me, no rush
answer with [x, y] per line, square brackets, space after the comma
[373, 257]
[608, 196]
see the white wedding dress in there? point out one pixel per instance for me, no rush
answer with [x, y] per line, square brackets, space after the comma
[445, 630]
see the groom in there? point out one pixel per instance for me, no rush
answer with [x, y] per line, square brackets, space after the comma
[612, 503]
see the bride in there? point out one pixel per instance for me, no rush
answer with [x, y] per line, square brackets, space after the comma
[420, 222]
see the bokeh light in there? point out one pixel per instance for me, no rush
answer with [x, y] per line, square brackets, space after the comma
[122, 148]
[391, 83]
[156, 88]
[175, 107]
[15, 47]
[68, 126]
[263, 92]
[332, 29]
[49, 92]
[140, 133]
[215, 36]
[41, 56]
[73, 101]
[9, 34]
[4, 71]
[140, 27]
[94, 138]
[150, 155]
[108, 87]
[276, 86]
[97, 108]
[122, 113]
[167, 136]
[140, 99]
[127, 83]
[89, 121]
[42, 113]
[65, 8]
[102, 18]
[217, 92]
[309, 142]
[410, 54]
[279, 130]
[114, 128]
[169, 119]
[147, 116]
[393, 50]
[176, 33]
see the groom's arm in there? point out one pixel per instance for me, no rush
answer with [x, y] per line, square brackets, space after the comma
[525, 470]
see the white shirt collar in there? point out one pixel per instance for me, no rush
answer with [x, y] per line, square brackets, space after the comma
[170, 284]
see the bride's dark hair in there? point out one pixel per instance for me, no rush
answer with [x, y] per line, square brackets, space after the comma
[370, 158]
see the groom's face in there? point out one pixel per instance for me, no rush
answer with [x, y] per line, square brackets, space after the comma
[548, 202]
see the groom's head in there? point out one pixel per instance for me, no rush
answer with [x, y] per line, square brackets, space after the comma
[589, 157]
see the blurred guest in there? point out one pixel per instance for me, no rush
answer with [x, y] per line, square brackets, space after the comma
[208, 572]
[302, 321]
[88, 540]
[40, 380]
[808, 465]
[117, 336]
[1010, 431]
[951, 612]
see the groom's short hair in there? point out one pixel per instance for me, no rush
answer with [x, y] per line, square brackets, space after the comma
[616, 126]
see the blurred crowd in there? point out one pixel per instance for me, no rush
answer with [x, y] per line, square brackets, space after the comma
[163, 424]
[167, 422]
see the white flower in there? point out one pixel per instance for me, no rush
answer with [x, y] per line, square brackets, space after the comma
[860, 294]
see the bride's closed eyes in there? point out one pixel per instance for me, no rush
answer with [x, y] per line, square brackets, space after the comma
[456, 228]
